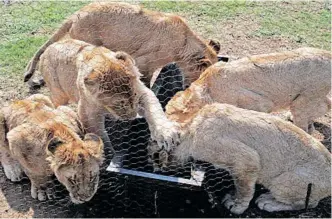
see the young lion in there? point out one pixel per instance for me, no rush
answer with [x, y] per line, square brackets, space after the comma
[42, 141]
[258, 148]
[103, 83]
[153, 39]
[299, 79]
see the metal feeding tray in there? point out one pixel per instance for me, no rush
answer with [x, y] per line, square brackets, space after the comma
[164, 93]
[196, 179]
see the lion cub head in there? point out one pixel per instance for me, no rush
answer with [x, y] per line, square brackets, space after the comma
[76, 162]
[198, 57]
[111, 81]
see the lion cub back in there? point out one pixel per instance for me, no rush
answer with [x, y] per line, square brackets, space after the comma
[260, 131]
[38, 109]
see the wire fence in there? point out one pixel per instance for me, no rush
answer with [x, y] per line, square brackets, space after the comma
[139, 186]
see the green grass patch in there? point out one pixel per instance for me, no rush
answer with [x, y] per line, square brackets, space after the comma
[304, 27]
[25, 26]
[209, 10]
[25, 18]
[296, 21]
[15, 55]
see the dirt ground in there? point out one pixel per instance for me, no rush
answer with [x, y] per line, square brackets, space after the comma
[15, 200]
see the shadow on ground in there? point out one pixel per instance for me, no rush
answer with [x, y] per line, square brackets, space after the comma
[123, 196]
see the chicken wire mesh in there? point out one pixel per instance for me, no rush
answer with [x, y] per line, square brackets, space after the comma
[129, 195]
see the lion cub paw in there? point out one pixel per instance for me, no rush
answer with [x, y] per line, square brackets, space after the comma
[268, 203]
[41, 194]
[235, 206]
[167, 135]
[13, 172]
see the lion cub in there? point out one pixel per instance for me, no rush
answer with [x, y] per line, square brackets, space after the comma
[258, 148]
[299, 79]
[42, 141]
[103, 83]
[152, 38]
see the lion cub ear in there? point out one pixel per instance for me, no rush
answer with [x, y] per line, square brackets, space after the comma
[53, 144]
[215, 45]
[94, 145]
[125, 57]
[204, 63]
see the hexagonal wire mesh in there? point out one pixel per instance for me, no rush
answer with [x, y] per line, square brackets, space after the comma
[140, 189]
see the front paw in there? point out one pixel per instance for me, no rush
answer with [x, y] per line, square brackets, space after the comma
[234, 205]
[41, 194]
[268, 203]
[167, 135]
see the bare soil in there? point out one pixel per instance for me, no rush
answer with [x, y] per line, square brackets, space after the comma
[15, 200]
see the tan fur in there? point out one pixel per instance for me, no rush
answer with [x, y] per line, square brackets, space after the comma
[102, 83]
[298, 79]
[153, 39]
[42, 141]
[258, 148]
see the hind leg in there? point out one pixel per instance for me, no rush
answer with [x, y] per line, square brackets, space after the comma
[287, 192]
[305, 109]
[268, 203]
[245, 187]
[245, 173]
[243, 163]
